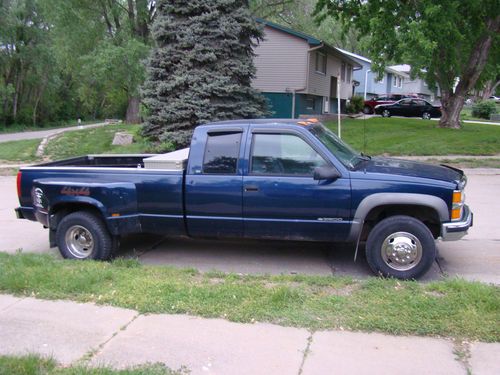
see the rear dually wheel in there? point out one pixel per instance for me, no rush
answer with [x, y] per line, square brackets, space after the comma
[83, 235]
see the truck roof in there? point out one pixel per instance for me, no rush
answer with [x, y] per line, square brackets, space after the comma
[266, 121]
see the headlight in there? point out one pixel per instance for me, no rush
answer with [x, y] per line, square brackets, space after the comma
[457, 204]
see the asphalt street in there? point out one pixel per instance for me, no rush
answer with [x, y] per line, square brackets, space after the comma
[475, 257]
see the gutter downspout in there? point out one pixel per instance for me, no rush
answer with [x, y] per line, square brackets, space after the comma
[306, 87]
[366, 81]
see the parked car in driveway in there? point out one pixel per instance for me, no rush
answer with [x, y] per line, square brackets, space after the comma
[369, 106]
[496, 99]
[409, 107]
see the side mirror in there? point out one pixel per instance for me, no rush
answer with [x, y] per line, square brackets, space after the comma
[325, 173]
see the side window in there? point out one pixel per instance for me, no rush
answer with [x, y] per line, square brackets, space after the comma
[283, 154]
[221, 153]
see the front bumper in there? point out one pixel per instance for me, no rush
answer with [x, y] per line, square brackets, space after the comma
[455, 230]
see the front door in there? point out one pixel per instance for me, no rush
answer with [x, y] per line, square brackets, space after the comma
[281, 199]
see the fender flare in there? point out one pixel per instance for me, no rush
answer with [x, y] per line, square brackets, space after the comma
[382, 199]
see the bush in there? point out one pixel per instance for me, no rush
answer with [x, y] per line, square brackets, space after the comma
[484, 109]
[355, 104]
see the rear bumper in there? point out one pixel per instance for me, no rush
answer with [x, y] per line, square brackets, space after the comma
[455, 230]
[19, 213]
[27, 213]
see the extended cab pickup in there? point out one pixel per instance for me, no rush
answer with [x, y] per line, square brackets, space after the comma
[261, 179]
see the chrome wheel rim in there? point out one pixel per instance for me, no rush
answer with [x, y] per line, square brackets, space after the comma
[401, 251]
[385, 113]
[426, 116]
[79, 241]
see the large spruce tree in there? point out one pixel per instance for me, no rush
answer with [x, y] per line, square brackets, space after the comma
[201, 67]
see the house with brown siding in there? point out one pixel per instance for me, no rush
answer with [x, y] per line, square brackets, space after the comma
[300, 74]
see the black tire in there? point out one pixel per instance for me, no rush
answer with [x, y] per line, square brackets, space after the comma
[386, 113]
[400, 258]
[82, 235]
[367, 110]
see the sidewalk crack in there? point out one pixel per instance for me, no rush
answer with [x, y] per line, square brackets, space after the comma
[87, 357]
[461, 350]
[306, 352]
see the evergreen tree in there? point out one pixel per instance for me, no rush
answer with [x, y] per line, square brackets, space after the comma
[201, 68]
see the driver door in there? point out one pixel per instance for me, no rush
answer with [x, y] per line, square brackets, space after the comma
[281, 200]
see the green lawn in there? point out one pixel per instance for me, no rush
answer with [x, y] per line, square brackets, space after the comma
[19, 151]
[466, 114]
[451, 308]
[401, 136]
[94, 141]
[36, 365]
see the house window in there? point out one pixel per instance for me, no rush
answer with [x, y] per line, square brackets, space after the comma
[395, 81]
[349, 73]
[342, 72]
[310, 103]
[320, 63]
[400, 82]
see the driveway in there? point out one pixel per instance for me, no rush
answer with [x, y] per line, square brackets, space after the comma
[44, 133]
[476, 257]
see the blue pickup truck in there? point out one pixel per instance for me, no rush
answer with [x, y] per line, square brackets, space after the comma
[260, 179]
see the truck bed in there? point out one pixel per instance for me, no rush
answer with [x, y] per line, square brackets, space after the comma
[104, 161]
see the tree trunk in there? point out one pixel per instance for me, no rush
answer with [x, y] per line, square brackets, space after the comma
[450, 112]
[15, 100]
[489, 88]
[132, 116]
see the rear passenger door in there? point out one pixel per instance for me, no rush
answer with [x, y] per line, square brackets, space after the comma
[214, 186]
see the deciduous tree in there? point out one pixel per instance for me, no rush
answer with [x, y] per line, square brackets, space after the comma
[450, 43]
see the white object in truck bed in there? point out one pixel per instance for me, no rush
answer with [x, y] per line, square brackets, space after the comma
[175, 160]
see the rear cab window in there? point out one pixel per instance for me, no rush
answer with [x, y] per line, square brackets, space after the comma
[221, 153]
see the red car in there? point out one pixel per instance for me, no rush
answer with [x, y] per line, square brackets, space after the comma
[370, 105]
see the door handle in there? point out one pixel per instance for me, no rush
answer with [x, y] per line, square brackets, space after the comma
[250, 188]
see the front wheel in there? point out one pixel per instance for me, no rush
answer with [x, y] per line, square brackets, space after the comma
[83, 235]
[386, 113]
[401, 247]
[426, 116]
[367, 110]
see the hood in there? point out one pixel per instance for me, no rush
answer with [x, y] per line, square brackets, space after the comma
[413, 169]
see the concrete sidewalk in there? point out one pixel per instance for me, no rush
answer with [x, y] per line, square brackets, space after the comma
[39, 134]
[72, 333]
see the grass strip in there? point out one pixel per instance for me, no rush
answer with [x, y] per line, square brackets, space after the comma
[451, 308]
[20, 151]
[36, 365]
[406, 136]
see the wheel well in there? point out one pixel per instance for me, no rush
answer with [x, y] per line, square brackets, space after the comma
[426, 215]
[61, 210]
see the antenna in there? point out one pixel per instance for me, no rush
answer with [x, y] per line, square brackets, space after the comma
[364, 133]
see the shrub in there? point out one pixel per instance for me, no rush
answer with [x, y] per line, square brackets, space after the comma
[355, 104]
[484, 109]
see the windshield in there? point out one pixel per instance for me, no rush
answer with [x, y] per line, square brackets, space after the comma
[347, 156]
